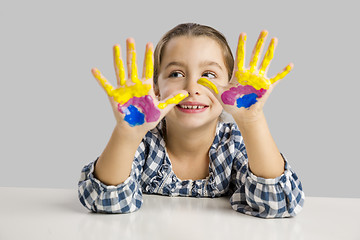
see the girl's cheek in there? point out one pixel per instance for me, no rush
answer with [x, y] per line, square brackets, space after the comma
[168, 88]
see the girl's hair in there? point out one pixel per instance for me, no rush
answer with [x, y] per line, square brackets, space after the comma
[193, 30]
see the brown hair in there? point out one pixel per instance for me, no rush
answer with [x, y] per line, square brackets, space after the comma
[195, 30]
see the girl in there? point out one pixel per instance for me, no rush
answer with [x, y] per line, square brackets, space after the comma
[169, 138]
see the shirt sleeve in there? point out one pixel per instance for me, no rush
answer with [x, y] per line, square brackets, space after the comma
[266, 198]
[123, 198]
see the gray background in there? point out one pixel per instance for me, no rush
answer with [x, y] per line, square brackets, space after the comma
[55, 118]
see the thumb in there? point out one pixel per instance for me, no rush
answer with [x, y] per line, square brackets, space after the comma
[168, 103]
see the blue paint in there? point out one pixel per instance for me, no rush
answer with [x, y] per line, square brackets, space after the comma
[133, 116]
[247, 100]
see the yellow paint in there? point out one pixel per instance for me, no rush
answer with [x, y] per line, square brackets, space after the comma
[207, 83]
[124, 93]
[257, 49]
[104, 83]
[282, 74]
[174, 100]
[248, 78]
[149, 64]
[119, 66]
[241, 53]
[267, 58]
[134, 71]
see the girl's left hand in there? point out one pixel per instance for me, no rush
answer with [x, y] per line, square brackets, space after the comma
[247, 91]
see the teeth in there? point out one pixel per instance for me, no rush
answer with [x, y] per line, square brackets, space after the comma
[191, 107]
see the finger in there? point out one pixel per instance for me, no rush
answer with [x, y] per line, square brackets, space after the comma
[173, 99]
[206, 83]
[257, 50]
[102, 81]
[131, 60]
[283, 73]
[268, 57]
[240, 52]
[148, 69]
[119, 66]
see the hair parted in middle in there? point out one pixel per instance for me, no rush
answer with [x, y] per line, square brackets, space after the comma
[193, 30]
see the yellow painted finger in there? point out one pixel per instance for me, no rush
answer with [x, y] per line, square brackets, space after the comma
[268, 57]
[241, 52]
[119, 66]
[102, 80]
[124, 94]
[282, 74]
[208, 84]
[248, 78]
[149, 63]
[132, 54]
[255, 57]
[174, 100]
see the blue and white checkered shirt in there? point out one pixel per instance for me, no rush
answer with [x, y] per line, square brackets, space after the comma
[228, 174]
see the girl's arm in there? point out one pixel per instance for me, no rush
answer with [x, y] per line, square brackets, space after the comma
[264, 157]
[265, 185]
[112, 183]
[114, 165]
[244, 98]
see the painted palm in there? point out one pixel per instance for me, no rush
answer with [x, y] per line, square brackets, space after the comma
[135, 99]
[252, 83]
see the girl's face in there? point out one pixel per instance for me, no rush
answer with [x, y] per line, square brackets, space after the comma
[185, 60]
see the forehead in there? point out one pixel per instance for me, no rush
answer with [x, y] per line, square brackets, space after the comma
[193, 49]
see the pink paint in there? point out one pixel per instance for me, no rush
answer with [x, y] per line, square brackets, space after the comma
[146, 105]
[229, 97]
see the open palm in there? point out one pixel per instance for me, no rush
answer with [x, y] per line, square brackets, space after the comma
[247, 91]
[133, 101]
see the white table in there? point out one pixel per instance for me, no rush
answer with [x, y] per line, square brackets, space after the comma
[28, 213]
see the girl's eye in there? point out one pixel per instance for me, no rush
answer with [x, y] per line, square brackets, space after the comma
[209, 75]
[176, 74]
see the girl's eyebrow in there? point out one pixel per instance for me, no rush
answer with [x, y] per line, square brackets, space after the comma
[202, 64]
[210, 63]
[175, 64]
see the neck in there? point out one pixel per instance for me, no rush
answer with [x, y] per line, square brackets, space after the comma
[189, 143]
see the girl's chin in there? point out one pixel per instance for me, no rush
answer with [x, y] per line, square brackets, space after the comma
[191, 121]
[193, 118]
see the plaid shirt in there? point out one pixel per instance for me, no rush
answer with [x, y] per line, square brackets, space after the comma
[228, 175]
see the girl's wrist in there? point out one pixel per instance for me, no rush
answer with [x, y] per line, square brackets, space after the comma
[131, 133]
[249, 121]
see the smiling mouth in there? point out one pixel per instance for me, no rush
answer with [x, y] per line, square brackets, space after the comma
[191, 108]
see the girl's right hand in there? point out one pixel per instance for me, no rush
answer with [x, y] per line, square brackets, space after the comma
[133, 101]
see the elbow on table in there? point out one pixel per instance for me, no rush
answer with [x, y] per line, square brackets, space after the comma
[289, 209]
[111, 200]
[117, 208]
[270, 208]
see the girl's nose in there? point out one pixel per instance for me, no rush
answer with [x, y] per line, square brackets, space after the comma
[193, 87]
[193, 93]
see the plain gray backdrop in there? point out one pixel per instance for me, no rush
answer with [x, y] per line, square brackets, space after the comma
[55, 118]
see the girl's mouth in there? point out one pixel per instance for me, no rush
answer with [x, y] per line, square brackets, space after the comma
[191, 107]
